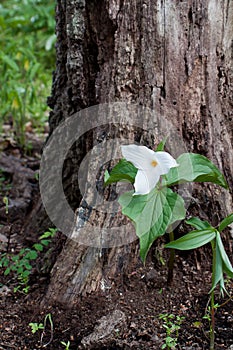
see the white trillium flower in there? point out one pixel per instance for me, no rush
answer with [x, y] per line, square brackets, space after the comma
[151, 165]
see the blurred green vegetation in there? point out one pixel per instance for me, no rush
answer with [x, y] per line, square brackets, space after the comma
[27, 59]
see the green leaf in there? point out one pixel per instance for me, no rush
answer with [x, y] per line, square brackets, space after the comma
[192, 240]
[152, 214]
[227, 267]
[106, 176]
[6, 262]
[27, 265]
[15, 258]
[31, 255]
[178, 211]
[25, 273]
[45, 242]
[198, 224]
[197, 168]
[226, 222]
[49, 234]
[36, 326]
[123, 171]
[217, 270]
[38, 247]
[161, 145]
[20, 270]
[34, 70]
[7, 271]
[11, 63]
[23, 251]
[222, 265]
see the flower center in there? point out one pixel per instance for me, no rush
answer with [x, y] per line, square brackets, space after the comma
[154, 163]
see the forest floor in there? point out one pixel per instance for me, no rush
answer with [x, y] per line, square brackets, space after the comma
[125, 316]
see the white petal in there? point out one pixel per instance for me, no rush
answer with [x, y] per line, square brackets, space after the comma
[145, 181]
[140, 156]
[165, 161]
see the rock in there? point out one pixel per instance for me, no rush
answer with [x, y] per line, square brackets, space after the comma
[3, 238]
[106, 329]
[28, 127]
[4, 291]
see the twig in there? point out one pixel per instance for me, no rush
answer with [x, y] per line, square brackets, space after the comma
[7, 346]
[171, 261]
[227, 301]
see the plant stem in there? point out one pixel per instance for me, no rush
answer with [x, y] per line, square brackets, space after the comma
[212, 326]
[171, 261]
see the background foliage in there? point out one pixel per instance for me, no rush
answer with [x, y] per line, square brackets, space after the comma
[27, 59]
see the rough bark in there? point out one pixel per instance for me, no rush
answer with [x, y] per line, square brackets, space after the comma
[172, 56]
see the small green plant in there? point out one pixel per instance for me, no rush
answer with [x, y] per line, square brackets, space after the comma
[21, 263]
[45, 239]
[66, 345]
[210, 317]
[6, 202]
[48, 317]
[172, 324]
[205, 233]
[35, 327]
[26, 62]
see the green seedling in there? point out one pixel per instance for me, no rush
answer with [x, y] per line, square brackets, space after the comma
[66, 345]
[35, 327]
[172, 324]
[48, 318]
[6, 202]
[21, 264]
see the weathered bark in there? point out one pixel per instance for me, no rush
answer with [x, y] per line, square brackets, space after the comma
[172, 56]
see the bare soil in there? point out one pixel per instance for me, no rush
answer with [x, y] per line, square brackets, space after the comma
[121, 316]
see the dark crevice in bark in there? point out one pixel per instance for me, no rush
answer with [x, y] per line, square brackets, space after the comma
[60, 75]
[163, 88]
[99, 44]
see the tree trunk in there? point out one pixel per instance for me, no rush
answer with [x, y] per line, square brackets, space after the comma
[174, 57]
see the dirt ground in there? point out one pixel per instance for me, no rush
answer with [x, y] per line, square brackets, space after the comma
[124, 316]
